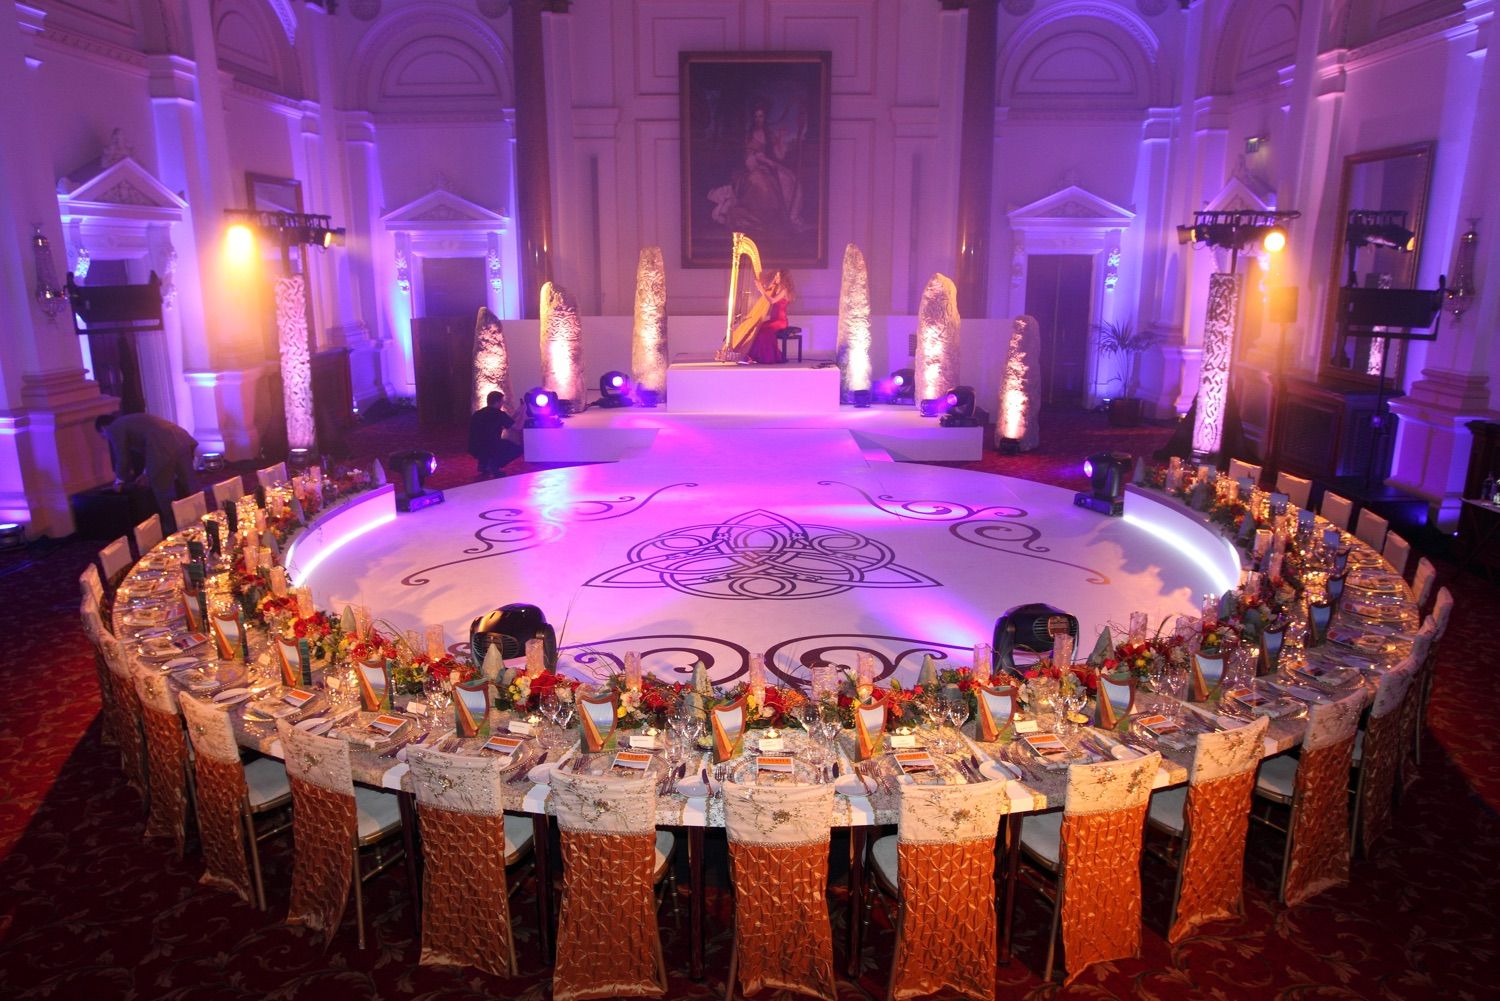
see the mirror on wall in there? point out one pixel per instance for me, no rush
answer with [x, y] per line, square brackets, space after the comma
[1384, 198]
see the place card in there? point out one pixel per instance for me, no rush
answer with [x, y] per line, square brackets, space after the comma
[1023, 724]
[770, 740]
[635, 761]
[521, 727]
[915, 762]
[1046, 745]
[387, 724]
[298, 697]
[775, 763]
[417, 708]
[503, 744]
[902, 740]
[649, 743]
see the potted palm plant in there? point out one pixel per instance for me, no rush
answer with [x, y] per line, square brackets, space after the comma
[1122, 338]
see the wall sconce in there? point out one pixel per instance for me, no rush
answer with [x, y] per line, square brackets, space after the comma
[50, 295]
[492, 265]
[403, 273]
[81, 265]
[1461, 292]
[1112, 270]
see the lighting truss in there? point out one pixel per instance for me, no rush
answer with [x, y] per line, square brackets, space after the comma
[291, 227]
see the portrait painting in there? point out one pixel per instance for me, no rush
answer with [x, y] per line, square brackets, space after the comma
[755, 156]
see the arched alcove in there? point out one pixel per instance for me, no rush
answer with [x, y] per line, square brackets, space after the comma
[254, 44]
[1256, 40]
[1082, 55]
[431, 58]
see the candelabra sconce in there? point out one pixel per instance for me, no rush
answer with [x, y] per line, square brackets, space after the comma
[50, 295]
[1461, 291]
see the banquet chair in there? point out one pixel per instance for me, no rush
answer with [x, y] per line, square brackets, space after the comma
[189, 510]
[1206, 823]
[114, 560]
[1378, 751]
[126, 703]
[783, 939]
[1422, 583]
[231, 489]
[228, 795]
[271, 475]
[333, 823]
[940, 868]
[1239, 469]
[460, 806]
[1371, 529]
[147, 535]
[1297, 490]
[166, 759]
[1397, 552]
[91, 583]
[1315, 851]
[94, 629]
[1088, 859]
[1442, 610]
[1336, 509]
[608, 943]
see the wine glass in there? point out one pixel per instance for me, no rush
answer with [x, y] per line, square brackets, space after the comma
[1073, 702]
[956, 714]
[334, 683]
[1176, 685]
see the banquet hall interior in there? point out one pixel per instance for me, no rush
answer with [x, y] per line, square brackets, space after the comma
[986, 498]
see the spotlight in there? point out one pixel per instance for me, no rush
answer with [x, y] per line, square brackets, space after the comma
[212, 462]
[860, 398]
[333, 238]
[412, 468]
[509, 627]
[239, 243]
[614, 390]
[904, 385]
[1187, 234]
[12, 535]
[1031, 627]
[1108, 472]
[958, 408]
[299, 458]
[543, 409]
[647, 397]
[1274, 239]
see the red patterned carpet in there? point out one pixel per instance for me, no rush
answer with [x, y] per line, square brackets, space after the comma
[88, 909]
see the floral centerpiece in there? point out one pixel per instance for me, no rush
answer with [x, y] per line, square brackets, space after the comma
[1136, 658]
[322, 633]
[412, 673]
[515, 691]
[902, 705]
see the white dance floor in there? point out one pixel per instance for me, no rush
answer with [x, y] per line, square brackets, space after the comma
[714, 543]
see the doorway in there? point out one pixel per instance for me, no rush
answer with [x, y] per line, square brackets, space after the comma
[1059, 294]
[443, 338]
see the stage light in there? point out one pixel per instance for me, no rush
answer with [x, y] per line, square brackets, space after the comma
[959, 411]
[543, 409]
[239, 244]
[412, 467]
[509, 627]
[1187, 234]
[1031, 627]
[12, 535]
[299, 458]
[614, 390]
[904, 385]
[333, 238]
[1108, 472]
[1274, 239]
[211, 462]
[860, 398]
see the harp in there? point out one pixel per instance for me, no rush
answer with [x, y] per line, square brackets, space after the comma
[747, 307]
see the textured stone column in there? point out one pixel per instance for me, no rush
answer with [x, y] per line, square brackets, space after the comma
[976, 159]
[296, 362]
[533, 163]
[855, 367]
[937, 339]
[562, 344]
[1218, 352]
[491, 359]
[648, 331]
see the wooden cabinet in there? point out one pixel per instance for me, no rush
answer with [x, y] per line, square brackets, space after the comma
[1328, 434]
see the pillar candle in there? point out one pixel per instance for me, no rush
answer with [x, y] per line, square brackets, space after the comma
[864, 669]
[984, 662]
[1137, 626]
[278, 581]
[758, 678]
[435, 646]
[304, 601]
[536, 657]
[632, 670]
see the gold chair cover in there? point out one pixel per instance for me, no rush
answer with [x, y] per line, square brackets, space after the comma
[465, 901]
[94, 629]
[167, 759]
[1216, 822]
[128, 725]
[1104, 819]
[608, 944]
[778, 850]
[1385, 740]
[220, 796]
[1320, 805]
[1411, 710]
[945, 868]
[324, 828]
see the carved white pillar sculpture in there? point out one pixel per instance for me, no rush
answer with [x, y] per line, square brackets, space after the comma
[1218, 349]
[562, 344]
[1019, 385]
[296, 364]
[491, 361]
[854, 323]
[648, 334]
[937, 339]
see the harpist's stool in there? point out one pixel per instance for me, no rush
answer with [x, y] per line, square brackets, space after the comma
[789, 334]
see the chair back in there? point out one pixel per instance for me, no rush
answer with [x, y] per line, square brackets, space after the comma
[1318, 836]
[1442, 609]
[147, 535]
[1336, 509]
[1110, 786]
[457, 783]
[1394, 685]
[1297, 490]
[91, 582]
[220, 795]
[156, 693]
[1227, 752]
[114, 560]
[166, 759]
[209, 729]
[1239, 469]
[778, 815]
[271, 475]
[325, 825]
[190, 510]
[1397, 552]
[1331, 723]
[1423, 582]
[1371, 529]
[604, 804]
[317, 761]
[231, 489]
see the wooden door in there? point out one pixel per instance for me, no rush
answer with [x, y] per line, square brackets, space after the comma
[443, 353]
[1059, 294]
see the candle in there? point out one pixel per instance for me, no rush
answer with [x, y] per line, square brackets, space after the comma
[1062, 650]
[864, 669]
[984, 662]
[632, 670]
[304, 601]
[252, 558]
[536, 657]
[278, 581]
[362, 619]
[1137, 626]
[823, 680]
[1262, 541]
[758, 678]
[435, 645]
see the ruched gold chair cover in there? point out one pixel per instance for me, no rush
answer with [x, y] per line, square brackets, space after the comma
[465, 896]
[608, 944]
[945, 883]
[324, 829]
[98, 634]
[778, 850]
[125, 705]
[1213, 823]
[1381, 749]
[167, 760]
[220, 795]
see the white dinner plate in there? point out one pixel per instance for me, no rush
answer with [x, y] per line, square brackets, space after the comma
[317, 726]
[232, 696]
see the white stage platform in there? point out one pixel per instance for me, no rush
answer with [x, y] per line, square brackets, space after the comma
[895, 432]
[716, 543]
[704, 386]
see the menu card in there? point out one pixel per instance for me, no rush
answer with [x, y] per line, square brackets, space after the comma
[504, 744]
[298, 697]
[915, 762]
[387, 724]
[1045, 745]
[1159, 725]
[632, 761]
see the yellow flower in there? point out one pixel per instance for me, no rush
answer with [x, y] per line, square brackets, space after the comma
[620, 712]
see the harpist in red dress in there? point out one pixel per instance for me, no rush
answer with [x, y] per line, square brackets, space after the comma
[760, 345]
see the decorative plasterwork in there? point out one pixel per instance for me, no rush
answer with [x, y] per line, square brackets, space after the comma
[122, 190]
[1072, 209]
[1242, 193]
[443, 211]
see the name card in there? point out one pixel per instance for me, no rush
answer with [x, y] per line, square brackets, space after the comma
[387, 724]
[649, 743]
[416, 708]
[298, 697]
[902, 740]
[774, 763]
[520, 726]
[503, 743]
